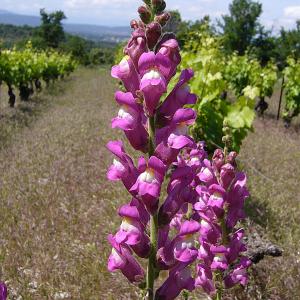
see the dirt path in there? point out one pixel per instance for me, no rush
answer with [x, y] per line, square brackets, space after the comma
[56, 205]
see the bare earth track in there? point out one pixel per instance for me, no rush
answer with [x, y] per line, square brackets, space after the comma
[57, 206]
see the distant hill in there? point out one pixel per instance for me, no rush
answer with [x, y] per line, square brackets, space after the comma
[91, 32]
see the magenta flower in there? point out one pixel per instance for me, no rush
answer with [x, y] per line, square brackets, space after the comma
[122, 169]
[236, 246]
[173, 138]
[130, 119]
[130, 113]
[170, 49]
[132, 229]
[179, 279]
[121, 259]
[184, 247]
[3, 291]
[178, 98]
[239, 274]
[219, 262]
[136, 46]
[126, 72]
[204, 279]
[236, 198]
[148, 184]
[152, 68]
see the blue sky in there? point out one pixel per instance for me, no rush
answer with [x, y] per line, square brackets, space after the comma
[118, 12]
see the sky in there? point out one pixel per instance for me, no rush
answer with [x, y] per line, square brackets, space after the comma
[276, 13]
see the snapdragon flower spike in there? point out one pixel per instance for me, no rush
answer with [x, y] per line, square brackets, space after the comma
[122, 168]
[132, 230]
[152, 68]
[178, 98]
[180, 278]
[131, 119]
[121, 259]
[148, 184]
[127, 73]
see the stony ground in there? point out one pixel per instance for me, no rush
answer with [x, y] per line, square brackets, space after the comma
[57, 207]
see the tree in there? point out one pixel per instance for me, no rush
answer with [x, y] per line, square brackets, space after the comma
[288, 44]
[51, 30]
[241, 25]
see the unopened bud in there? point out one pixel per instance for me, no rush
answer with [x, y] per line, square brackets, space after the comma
[153, 33]
[134, 24]
[163, 18]
[145, 14]
[158, 6]
[147, 2]
[231, 157]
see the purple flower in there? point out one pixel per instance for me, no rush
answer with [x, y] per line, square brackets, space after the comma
[218, 159]
[121, 259]
[227, 175]
[170, 49]
[236, 199]
[173, 138]
[180, 192]
[148, 184]
[220, 261]
[132, 229]
[152, 68]
[130, 119]
[239, 274]
[122, 169]
[129, 113]
[136, 46]
[179, 279]
[178, 97]
[217, 199]
[184, 248]
[204, 279]
[127, 73]
[3, 291]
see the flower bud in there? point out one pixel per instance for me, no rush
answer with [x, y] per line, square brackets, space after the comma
[134, 24]
[145, 14]
[153, 33]
[231, 158]
[158, 6]
[163, 18]
[218, 159]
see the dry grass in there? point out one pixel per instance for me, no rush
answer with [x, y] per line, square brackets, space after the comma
[57, 206]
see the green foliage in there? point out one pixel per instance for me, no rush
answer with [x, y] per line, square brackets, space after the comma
[245, 76]
[204, 55]
[22, 67]
[288, 45]
[241, 25]
[51, 30]
[292, 87]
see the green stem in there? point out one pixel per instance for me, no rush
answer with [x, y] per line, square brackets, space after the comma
[151, 270]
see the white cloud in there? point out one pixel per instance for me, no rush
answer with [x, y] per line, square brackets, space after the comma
[292, 12]
[78, 4]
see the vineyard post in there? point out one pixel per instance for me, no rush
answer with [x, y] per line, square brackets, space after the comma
[280, 99]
